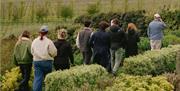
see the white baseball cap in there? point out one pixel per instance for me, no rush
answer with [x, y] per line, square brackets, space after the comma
[157, 15]
[44, 28]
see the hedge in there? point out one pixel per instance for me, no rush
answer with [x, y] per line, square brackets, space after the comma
[140, 83]
[151, 62]
[141, 18]
[74, 78]
[137, 17]
[169, 39]
[12, 78]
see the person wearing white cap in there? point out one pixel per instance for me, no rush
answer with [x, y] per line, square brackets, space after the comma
[43, 51]
[155, 32]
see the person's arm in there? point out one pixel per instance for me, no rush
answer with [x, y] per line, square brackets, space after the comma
[137, 36]
[77, 41]
[163, 24]
[148, 31]
[14, 56]
[71, 57]
[14, 60]
[52, 49]
[29, 49]
[91, 40]
[32, 48]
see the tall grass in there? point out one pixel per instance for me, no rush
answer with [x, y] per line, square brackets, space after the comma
[32, 10]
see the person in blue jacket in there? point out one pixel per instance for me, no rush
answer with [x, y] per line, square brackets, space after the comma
[155, 32]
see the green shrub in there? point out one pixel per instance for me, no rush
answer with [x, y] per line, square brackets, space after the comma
[137, 17]
[170, 39]
[66, 12]
[151, 62]
[171, 18]
[177, 33]
[10, 80]
[74, 78]
[144, 44]
[78, 60]
[41, 14]
[93, 8]
[140, 83]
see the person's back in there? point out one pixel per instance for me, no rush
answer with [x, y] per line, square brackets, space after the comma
[84, 36]
[40, 49]
[156, 30]
[22, 57]
[132, 39]
[64, 55]
[117, 37]
[43, 51]
[23, 51]
[101, 41]
[82, 42]
[131, 43]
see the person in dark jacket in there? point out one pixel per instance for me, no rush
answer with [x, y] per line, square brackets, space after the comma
[82, 42]
[23, 58]
[64, 52]
[100, 42]
[132, 38]
[117, 45]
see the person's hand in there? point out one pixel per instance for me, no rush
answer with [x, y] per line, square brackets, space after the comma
[73, 65]
[160, 20]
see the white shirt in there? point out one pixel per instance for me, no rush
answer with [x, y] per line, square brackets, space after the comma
[43, 49]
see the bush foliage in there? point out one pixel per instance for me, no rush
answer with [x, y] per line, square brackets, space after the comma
[140, 18]
[140, 83]
[151, 62]
[74, 78]
[12, 78]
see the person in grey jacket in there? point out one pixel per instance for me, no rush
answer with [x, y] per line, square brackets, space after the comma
[82, 42]
[155, 32]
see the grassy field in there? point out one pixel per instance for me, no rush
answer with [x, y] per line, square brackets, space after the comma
[28, 9]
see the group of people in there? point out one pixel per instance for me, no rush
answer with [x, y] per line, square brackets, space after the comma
[106, 47]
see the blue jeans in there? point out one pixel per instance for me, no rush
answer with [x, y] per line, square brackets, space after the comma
[41, 68]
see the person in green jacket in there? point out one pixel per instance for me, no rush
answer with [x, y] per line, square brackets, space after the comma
[23, 58]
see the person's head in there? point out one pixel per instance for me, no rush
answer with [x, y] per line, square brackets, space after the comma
[25, 34]
[114, 22]
[87, 23]
[103, 25]
[62, 34]
[131, 26]
[157, 16]
[43, 31]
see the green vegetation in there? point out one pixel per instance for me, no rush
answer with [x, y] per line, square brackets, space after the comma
[11, 79]
[74, 78]
[96, 78]
[140, 18]
[19, 15]
[93, 8]
[140, 83]
[151, 62]
[66, 12]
